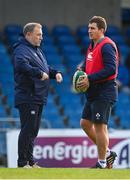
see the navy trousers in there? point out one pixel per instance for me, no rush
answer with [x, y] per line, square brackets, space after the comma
[30, 117]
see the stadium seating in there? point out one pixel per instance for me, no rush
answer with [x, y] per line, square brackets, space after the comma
[59, 30]
[112, 30]
[123, 75]
[64, 50]
[82, 31]
[12, 29]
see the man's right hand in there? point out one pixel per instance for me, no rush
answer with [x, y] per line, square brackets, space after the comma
[84, 82]
[44, 76]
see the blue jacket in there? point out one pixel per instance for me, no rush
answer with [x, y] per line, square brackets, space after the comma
[29, 62]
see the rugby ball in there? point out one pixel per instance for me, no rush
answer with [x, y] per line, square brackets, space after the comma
[79, 76]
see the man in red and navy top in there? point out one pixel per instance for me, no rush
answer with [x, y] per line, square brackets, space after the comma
[101, 66]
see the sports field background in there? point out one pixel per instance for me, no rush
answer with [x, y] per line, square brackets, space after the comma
[64, 173]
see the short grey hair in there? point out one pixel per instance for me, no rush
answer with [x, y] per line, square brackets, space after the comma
[29, 27]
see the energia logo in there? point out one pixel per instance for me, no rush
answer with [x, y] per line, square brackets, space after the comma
[61, 151]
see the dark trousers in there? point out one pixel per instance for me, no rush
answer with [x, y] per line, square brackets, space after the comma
[30, 117]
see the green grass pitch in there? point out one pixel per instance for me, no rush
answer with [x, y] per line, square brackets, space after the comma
[64, 173]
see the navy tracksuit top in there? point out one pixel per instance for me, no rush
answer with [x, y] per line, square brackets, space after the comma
[29, 62]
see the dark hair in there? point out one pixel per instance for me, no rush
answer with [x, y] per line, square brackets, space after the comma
[100, 21]
[30, 27]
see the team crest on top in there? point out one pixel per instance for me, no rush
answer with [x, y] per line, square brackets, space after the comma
[89, 57]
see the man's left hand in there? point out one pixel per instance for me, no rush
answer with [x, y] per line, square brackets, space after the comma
[59, 77]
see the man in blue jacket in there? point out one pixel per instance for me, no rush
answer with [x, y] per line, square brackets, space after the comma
[31, 74]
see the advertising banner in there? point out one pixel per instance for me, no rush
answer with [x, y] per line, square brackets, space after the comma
[70, 148]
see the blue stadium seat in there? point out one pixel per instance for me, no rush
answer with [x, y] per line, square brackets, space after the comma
[124, 98]
[118, 39]
[70, 49]
[74, 118]
[13, 33]
[85, 41]
[49, 49]
[63, 40]
[75, 59]
[112, 30]
[125, 121]
[61, 30]
[82, 31]
[111, 123]
[2, 111]
[45, 30]
[124, 51]
[12, 29]
[51, 114]
[15, 113]
[12, 39]
[54, 59]
[47, 40]
[3, 49]
[123, 75]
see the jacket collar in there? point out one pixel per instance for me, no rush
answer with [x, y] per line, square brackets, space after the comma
[23, 40]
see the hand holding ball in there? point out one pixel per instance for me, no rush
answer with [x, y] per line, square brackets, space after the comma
[80, 82]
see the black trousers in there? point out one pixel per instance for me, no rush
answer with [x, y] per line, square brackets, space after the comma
[30, 117]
